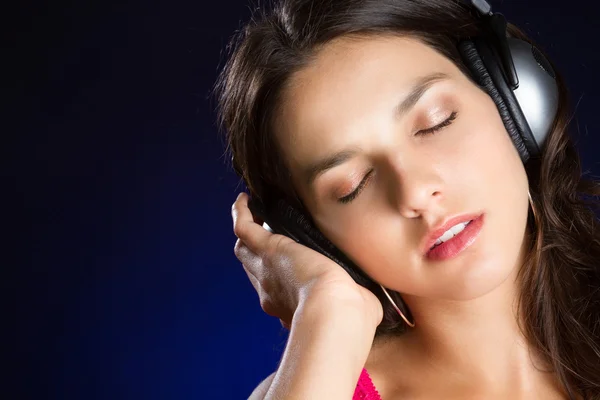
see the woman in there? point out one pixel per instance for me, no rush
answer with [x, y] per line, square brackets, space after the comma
[474, 266]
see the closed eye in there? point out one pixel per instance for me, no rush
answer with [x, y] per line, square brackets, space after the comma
[436, 128]
[348, 198]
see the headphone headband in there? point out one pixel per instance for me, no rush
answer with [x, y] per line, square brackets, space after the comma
[484, 8]
[495, 34]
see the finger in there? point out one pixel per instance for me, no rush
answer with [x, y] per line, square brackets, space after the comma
[253, 281]
[253, 235]
[249, 264]
[252, 263]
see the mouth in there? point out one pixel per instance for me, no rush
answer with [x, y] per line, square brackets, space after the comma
[451, 233]
[455, 240]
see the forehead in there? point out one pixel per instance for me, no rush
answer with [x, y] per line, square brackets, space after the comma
[348, 87]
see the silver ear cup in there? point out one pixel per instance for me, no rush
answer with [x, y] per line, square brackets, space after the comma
[537, 93]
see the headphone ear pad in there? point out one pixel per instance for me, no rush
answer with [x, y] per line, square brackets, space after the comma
[295, 224]
[480, 74]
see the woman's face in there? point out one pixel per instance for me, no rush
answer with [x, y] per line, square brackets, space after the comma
[410, 181]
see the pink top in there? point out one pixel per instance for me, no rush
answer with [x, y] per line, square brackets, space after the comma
[365, 390]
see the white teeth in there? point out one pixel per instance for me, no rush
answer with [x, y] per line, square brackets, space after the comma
[456, 229]
[450, 233]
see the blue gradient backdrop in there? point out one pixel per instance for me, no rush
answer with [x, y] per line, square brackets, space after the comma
[119, 248]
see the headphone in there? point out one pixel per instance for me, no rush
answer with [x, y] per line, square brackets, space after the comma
[517, 77]
[522, 84]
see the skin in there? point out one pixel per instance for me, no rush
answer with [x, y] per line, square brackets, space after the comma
[466, 343]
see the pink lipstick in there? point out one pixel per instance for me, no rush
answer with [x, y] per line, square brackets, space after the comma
[454, 246]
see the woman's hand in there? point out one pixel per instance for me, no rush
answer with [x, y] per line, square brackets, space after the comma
[287, 275]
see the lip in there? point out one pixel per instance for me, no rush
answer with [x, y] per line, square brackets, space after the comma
[434, 235]
[458, 243]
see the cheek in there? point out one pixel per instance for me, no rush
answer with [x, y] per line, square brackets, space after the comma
[499, 166]
[371, 238]
[376, 241]
[487, 155]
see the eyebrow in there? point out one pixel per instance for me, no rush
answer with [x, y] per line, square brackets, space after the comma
[417, 91]
[419, 88]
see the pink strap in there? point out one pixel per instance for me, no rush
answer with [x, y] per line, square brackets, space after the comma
[365, 389]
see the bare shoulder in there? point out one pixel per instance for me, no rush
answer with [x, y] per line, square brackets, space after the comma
[261, 390]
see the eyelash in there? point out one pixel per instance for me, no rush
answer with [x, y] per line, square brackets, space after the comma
[436, 128]
[424, 132]
[348, 198]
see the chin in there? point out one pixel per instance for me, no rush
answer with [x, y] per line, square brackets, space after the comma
[484, 279]
[486, 269]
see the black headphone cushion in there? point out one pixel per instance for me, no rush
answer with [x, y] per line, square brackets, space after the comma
[482, 77]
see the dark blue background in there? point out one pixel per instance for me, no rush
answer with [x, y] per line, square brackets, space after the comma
[119, 248]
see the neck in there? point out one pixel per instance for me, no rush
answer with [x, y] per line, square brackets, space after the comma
[479, 338]
[475, 344]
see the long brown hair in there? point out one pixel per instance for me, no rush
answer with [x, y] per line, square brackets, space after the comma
[559, 282]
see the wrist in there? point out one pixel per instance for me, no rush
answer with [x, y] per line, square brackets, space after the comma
[337, 308]
[329, 343]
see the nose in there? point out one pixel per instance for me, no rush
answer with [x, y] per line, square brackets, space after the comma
[417, 202]
[415, 190]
